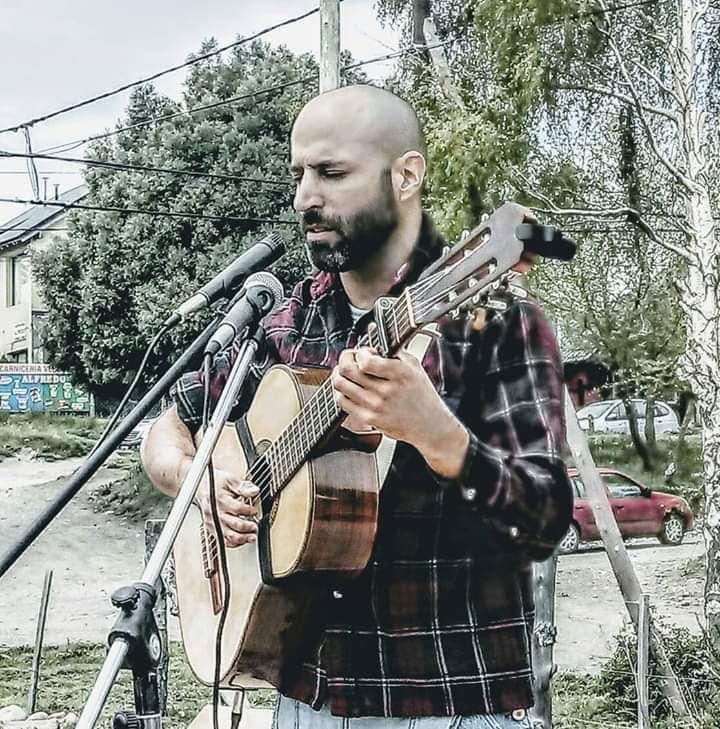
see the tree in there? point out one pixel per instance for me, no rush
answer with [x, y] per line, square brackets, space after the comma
[566, 68]
[111, 284]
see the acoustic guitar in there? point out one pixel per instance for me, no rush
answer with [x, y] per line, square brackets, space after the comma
[319, 483]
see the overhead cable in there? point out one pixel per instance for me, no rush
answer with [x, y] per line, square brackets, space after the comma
[140, 211]
[182, 112]
[152, 77]
[150, 168]
[66, 146]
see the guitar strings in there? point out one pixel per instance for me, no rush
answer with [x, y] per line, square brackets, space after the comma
[321, 411]
[288, 451]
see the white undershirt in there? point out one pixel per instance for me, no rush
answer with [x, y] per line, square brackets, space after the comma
[357, 313]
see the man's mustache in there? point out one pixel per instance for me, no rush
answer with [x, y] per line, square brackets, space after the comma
[313, 218]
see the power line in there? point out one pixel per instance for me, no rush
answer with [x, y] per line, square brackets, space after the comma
[167, 117]
[20, 230]
[46, 172]
[195, 109]
[148, 168]
[140, 211]
[157, 75]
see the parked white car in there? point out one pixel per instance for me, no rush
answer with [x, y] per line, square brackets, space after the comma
[610, 416]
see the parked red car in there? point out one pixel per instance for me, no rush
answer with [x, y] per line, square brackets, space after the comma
[639, 511]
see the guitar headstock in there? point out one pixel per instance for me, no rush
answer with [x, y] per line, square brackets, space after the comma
[469, 269]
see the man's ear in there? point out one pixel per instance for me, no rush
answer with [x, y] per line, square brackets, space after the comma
[409, 173]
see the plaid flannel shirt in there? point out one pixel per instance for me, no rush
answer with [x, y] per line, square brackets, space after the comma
[440, 622]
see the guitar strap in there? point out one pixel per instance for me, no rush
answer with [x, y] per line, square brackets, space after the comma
[418, 347]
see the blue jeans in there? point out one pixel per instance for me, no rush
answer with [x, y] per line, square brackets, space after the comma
[291, 714]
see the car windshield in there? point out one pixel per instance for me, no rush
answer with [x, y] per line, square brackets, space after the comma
[595, 409]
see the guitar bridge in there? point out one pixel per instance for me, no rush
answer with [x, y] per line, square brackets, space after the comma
[211, 568]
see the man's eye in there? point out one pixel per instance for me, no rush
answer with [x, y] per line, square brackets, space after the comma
[334, 173]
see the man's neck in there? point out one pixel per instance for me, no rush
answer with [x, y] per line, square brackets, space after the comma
[367, 284]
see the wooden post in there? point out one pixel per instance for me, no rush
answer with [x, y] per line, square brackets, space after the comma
[643, 659]
[439, 59]
[544, 634]
[615, 549]
[39, 635]
[329, 45]
[421, 10]
[153, 527]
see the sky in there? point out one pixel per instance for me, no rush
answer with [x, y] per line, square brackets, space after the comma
[55, 53]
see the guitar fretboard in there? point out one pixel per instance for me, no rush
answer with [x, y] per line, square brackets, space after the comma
[321, 415]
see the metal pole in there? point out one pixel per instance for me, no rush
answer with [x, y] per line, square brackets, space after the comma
[329, 45]
[39, 635]
[643, 658]
[153, 569]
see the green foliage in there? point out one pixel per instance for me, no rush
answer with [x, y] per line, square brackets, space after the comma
[690, 659]
[132, 495]
[112, 283]
[52, 437]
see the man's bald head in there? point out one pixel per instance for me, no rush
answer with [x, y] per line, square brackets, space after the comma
[366, 114]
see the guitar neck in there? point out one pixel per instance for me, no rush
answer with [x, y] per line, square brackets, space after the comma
[321, 416]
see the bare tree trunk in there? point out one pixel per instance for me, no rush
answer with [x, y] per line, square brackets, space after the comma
[640, 446]
[650, 440]
[700, 299]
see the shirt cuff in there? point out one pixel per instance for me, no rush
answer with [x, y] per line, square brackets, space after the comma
[480, 475]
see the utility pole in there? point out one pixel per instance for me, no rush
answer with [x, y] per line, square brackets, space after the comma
[329, 45]
[421, 10]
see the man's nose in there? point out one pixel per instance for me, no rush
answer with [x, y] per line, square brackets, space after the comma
[307, 194]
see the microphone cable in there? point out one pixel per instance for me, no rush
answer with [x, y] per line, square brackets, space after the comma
[123, 402]
[222, 554]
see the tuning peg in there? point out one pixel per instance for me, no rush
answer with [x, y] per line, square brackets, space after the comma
[497, 304]
[517, 291]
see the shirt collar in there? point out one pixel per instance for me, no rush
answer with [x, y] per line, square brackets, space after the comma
[429, 247]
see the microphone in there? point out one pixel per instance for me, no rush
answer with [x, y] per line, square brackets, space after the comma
[227, 282]
[262, 294]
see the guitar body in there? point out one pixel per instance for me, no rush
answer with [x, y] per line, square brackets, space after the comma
[321, 527]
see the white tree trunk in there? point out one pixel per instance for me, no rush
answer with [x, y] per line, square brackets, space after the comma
[701, 293]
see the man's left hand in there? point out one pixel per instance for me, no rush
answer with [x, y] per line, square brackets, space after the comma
[396, 397]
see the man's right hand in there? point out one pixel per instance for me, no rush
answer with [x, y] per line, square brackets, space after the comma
[235, 504]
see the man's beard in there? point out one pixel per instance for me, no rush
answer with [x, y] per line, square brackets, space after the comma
[362, 236]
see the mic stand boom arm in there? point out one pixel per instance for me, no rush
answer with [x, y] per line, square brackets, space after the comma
[101, 453]
[134, 641]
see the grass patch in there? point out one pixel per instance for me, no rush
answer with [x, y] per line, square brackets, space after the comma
[607, 699]
[132, 495]
[68, 673]
[51, 437]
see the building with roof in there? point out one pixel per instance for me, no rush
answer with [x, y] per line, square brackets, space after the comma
[22, 312]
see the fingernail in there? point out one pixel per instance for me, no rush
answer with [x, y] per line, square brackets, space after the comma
[252, 538]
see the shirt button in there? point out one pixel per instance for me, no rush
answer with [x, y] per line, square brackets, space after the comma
[337, 594]
[469, 494]
[514, 531]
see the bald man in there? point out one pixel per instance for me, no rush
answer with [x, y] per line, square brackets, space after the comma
[438, 626]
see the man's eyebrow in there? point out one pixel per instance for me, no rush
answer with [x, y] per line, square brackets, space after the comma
[322, 164]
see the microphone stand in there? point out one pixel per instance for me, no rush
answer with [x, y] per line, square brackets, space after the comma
[134, 640]
[101, 453]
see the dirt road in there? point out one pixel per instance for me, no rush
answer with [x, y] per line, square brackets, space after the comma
[590, 611]
[92, 554]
